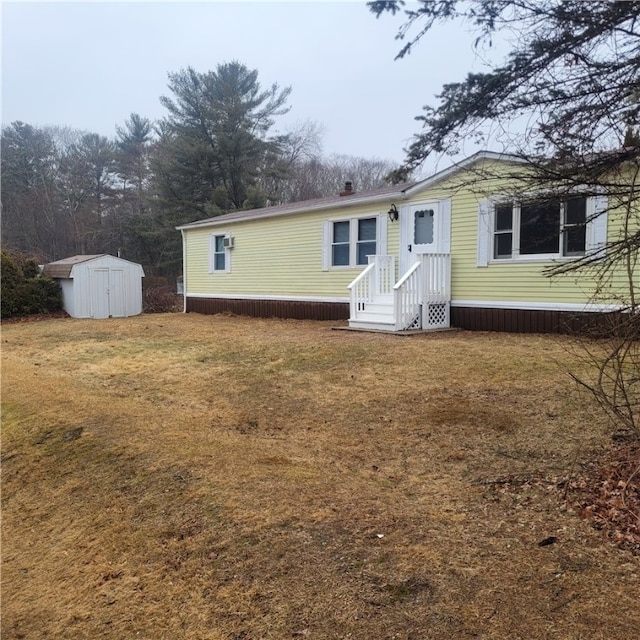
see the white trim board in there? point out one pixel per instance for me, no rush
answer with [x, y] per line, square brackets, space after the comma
[242, 296]
[535, 306]
[459, 166]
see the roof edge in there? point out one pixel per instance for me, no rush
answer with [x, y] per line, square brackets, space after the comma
[335, 204]
[463, 164]
[400, 193]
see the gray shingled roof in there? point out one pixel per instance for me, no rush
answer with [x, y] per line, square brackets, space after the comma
[361, 197]
[62, 268]
[386, 194]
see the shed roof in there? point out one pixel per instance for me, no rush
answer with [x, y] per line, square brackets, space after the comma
[62, 268]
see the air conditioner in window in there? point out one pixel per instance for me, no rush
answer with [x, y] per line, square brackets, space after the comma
[228, 242]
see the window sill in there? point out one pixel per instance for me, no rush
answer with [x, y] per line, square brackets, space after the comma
[534, 259]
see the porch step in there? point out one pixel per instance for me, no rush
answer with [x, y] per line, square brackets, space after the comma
[371, 325]
[384, 318]
[381, 309]
[377, 316]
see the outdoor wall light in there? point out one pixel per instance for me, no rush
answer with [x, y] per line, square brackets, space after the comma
[393, 213]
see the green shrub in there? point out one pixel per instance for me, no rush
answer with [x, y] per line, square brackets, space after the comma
[10, 279]
[41, 295]
[24, 292]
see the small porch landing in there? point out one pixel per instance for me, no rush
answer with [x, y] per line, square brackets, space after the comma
[419, 300]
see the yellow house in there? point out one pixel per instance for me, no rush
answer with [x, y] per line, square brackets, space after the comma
[449, 250]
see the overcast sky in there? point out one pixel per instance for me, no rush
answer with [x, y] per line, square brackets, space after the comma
[89, 65]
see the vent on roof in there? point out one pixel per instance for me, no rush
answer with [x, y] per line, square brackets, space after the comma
[348, 189]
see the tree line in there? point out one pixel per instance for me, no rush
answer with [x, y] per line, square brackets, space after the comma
[68, 192]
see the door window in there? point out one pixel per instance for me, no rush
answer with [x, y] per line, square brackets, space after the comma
[423, 226]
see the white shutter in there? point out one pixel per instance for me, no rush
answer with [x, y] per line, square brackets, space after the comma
[596, 233]
[484, 234]
[381, 234]
[353, 242]
[326, 245]
[212, 249]
[227, 260]
[445, 226]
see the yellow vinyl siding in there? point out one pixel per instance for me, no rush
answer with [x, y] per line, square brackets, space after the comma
[280, 256]
[503, 281]
[283, 255]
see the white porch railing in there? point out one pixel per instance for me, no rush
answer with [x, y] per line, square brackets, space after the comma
[419, 300]
[436, 292]
[437, 280]
[407, 299]
[376, 280]
[384, 274]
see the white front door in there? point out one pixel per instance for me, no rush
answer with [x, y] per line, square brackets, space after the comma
[420, 231]
[423, 219]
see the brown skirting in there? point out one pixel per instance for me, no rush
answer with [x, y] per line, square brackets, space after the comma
[299, 310]
[470, 318]
[524, 320]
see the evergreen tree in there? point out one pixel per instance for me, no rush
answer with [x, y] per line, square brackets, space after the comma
[133, 145]
[574, 72]
[212, 149]
[215, 138]
[133, 214]
[31, 220]
[86, 181]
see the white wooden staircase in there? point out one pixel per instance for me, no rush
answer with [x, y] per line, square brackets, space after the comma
[419, 300]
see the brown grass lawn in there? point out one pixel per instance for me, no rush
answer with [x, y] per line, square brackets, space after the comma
[175, 476]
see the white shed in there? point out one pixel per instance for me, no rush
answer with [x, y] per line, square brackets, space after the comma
[98, 286]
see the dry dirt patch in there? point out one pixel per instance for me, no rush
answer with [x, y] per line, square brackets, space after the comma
[217, 477]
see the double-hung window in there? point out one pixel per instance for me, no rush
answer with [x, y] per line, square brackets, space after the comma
[219, 257]
[546, 228]
[574, 224]
[352, 241]
[503, 231]
[341, 244]
[366, 242]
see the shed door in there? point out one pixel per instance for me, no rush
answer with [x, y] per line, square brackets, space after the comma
[117, 303]
[108, 293]
[100, 293]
